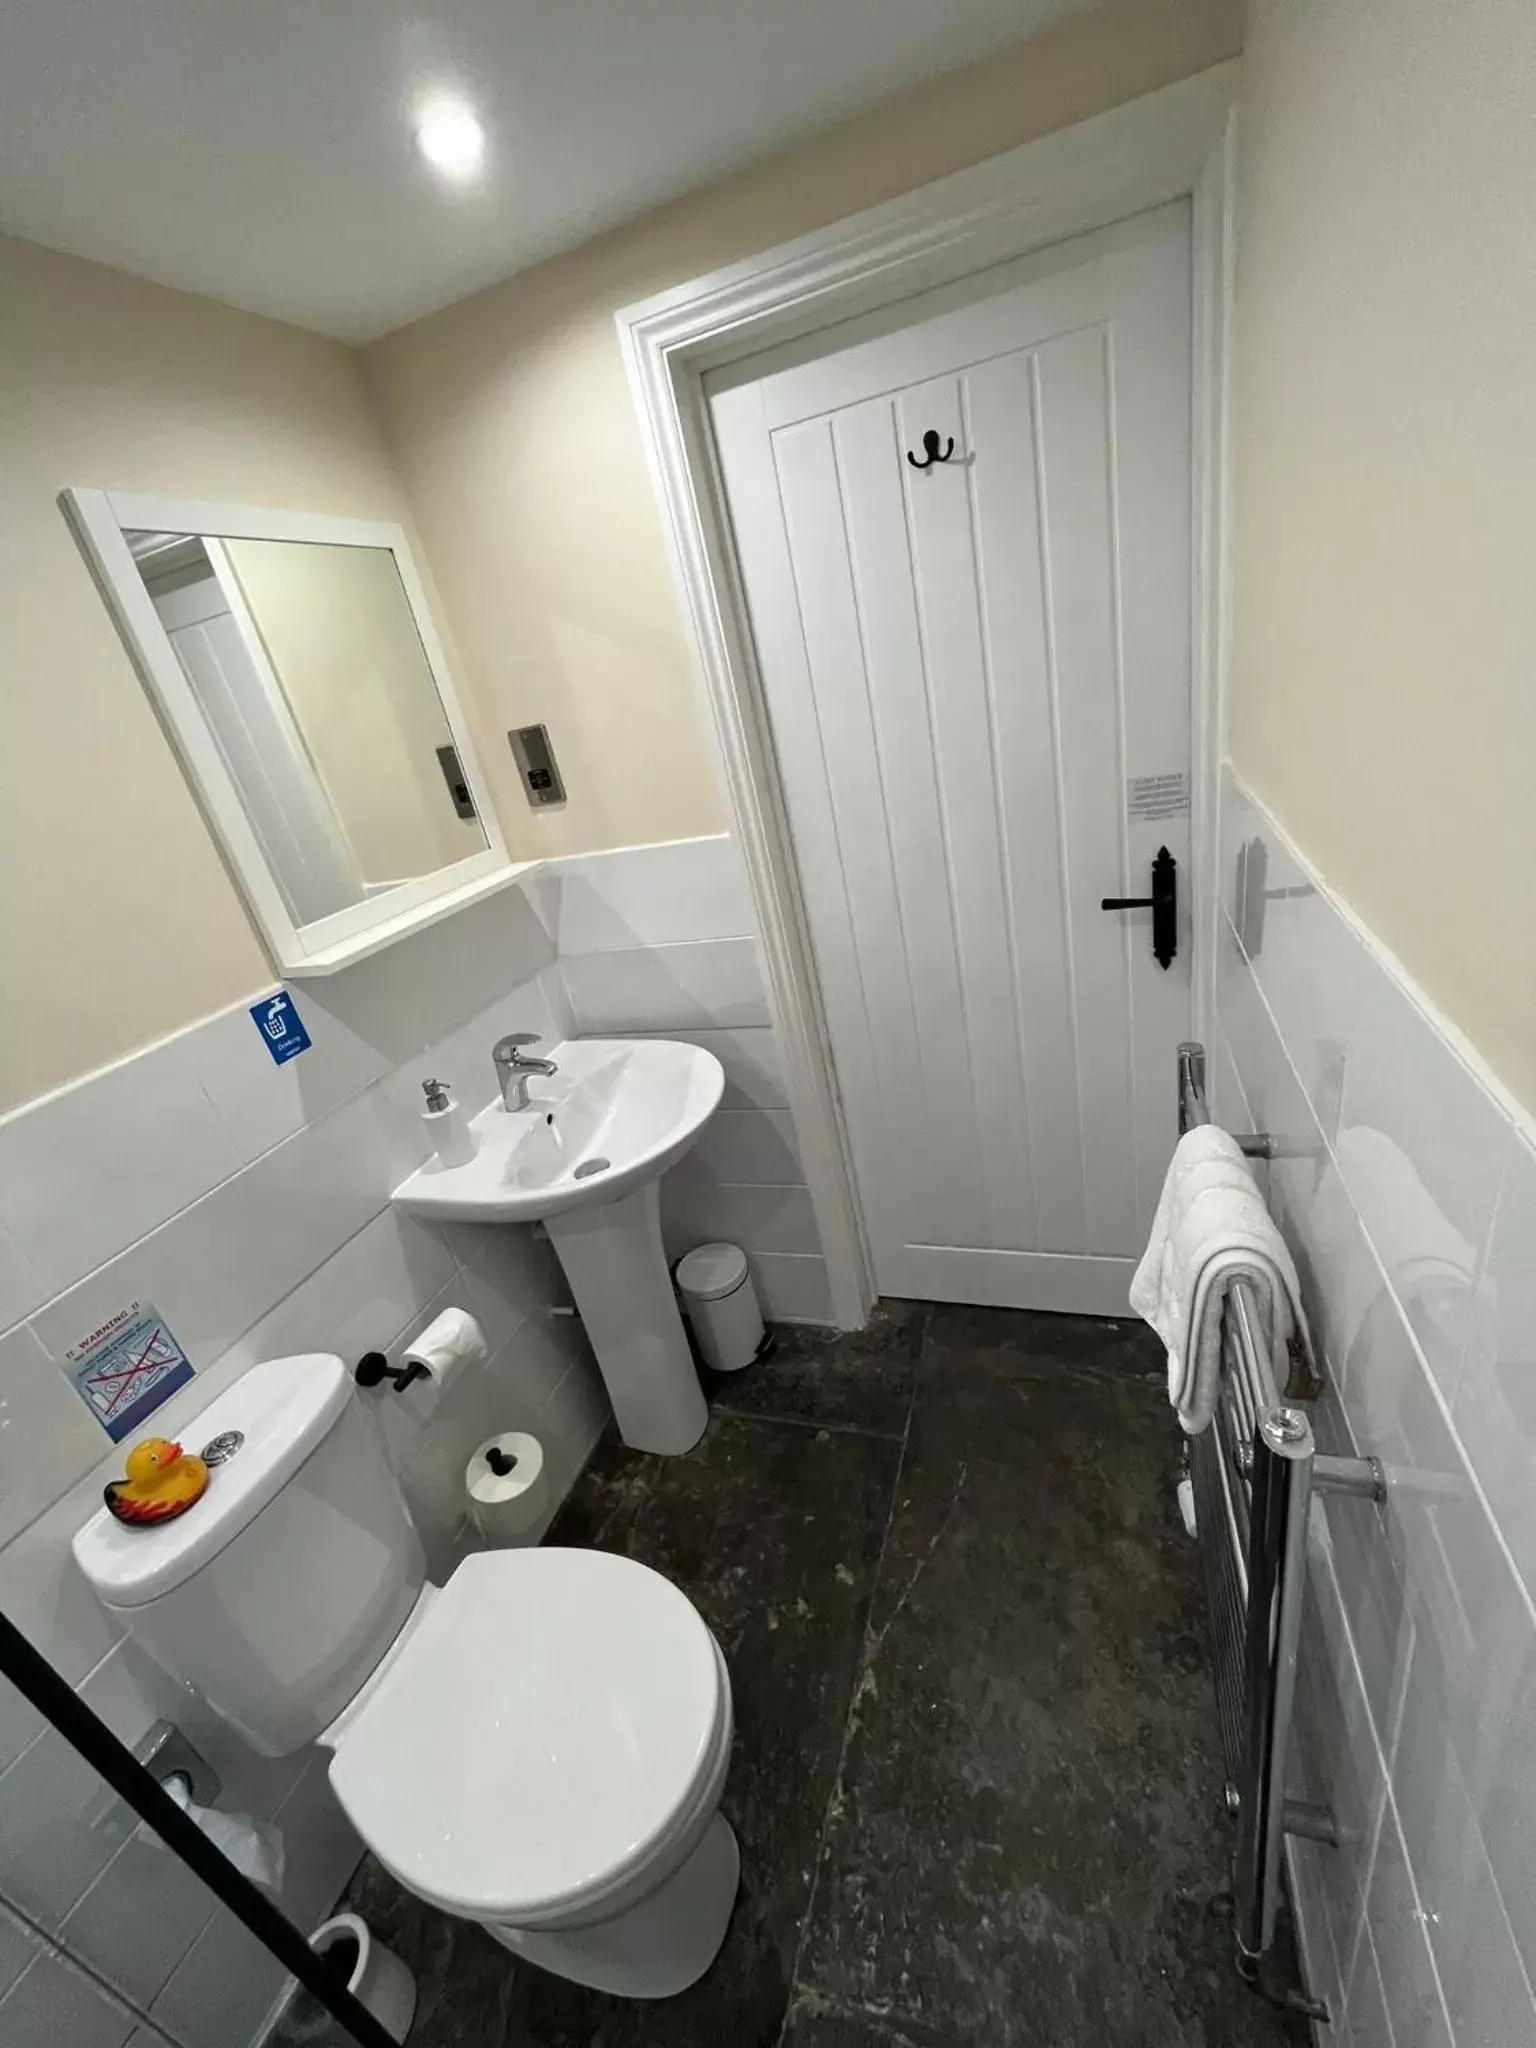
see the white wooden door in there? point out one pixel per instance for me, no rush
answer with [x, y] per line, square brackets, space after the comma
[977, 679]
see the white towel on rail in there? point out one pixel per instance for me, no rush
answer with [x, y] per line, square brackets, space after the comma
[1211, 1228]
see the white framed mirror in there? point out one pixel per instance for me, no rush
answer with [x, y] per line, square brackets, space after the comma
[296, 669]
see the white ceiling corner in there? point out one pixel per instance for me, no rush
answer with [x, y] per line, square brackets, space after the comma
[261, 152]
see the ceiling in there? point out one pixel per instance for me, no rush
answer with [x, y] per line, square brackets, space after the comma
[261, 150]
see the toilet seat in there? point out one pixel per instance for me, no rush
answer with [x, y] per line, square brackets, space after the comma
[546, 1743]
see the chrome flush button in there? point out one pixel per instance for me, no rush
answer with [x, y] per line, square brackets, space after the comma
[222, 1448]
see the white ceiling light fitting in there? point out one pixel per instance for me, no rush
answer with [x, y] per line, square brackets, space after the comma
[450, 137]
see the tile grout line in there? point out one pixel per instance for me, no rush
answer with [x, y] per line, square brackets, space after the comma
[834, 1796]
[879, 1436]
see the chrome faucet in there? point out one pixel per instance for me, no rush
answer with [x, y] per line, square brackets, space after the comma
[513, 1067]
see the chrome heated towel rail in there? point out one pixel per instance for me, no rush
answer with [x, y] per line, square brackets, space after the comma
[1254, 1472]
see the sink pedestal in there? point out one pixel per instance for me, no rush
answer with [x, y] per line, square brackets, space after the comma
[613, 1258]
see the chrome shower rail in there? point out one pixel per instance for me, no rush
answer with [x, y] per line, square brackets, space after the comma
[1253, 1472]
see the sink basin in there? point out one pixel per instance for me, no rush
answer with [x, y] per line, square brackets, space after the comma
[585, 1158]
[619, 1111]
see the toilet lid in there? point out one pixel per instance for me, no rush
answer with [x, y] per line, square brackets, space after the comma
[537, 1733]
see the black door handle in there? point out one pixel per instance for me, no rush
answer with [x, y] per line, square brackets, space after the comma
[1163, 904]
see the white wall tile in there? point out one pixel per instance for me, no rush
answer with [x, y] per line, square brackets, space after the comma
[359, 1300]
[1494, 1411]
[1315, 1952]
[1304, 956]
[259, 1226]
[713, 983]
[792, 1287]
[60, 1825]
[1419, 1142]
[215, 1269]
[646, 896]
[1338, 1747]
[1487, 1993]
[259, 1104]
[462, 1059]
[140, 1916]
[1228, 1104]
[570, 1423]
[21, 1290]
[696, 1208]
[754, 1147]
[52, 2001]
[1366, 2012]
[754, 1067]
[1401, 1941]
[323, 1848]
[1427, 1350]
[46, 1597]
[414, 994]
[542, 1380]
[1380, 1627]
[1428, 1200]
[89, 1170]
[557, 1001]
[48, 1437]
[223, 1989]
[250, 1203]
[509, 1273]
[18, 1946]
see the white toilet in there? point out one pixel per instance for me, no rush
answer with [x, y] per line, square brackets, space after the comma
[540, 1745]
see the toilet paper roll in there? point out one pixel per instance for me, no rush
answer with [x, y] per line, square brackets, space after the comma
[507, 1506]
[448, 1343]
[255, 1847]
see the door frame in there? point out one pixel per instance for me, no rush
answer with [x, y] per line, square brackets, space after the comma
[1172, 144]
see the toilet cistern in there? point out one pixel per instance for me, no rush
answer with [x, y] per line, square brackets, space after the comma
[513, 1067]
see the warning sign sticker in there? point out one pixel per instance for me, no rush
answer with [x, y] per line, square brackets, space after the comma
[124, 1370]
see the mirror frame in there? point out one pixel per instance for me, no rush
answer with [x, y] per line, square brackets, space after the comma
[101, 520]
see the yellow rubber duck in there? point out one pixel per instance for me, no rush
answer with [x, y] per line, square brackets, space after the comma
[163, 1480]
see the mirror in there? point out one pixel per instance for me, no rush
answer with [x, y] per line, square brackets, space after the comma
[294, 663]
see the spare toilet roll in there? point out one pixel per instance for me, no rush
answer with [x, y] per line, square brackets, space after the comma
[507, 1507]
[448, 1343]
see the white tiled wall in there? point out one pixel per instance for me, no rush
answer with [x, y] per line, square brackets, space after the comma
[1408, 1194]
[250, 1203]
[662, 940]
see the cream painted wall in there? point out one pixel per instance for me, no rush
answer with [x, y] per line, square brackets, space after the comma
[510, 420]
[118, 922]
[1384, 686]
[338, 628]
[513, 425]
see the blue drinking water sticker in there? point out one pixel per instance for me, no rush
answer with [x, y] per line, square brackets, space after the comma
[125, 1369]
[281, 1027]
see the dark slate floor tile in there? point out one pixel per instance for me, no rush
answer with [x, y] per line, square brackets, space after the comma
[859, 1379]
[813, 2023]
[1024, 1842]
[1027, 1844]
[774, 1533]
[1029, 1342]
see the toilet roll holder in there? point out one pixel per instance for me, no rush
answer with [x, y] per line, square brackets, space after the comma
[373, 1368]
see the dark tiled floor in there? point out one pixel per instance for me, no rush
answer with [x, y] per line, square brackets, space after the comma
[977, 1776]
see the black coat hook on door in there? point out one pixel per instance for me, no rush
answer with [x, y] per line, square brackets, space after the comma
[931, 451]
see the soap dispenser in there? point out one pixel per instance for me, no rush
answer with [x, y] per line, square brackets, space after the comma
[447, 1126]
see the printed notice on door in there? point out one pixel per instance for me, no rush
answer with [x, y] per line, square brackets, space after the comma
[1151, 797]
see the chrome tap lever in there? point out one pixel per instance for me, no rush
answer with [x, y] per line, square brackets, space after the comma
[513, 1067]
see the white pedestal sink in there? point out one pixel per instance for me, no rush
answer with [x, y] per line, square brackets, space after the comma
[585, 1158]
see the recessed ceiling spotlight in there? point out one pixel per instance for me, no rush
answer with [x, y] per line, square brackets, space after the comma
[450, 137]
